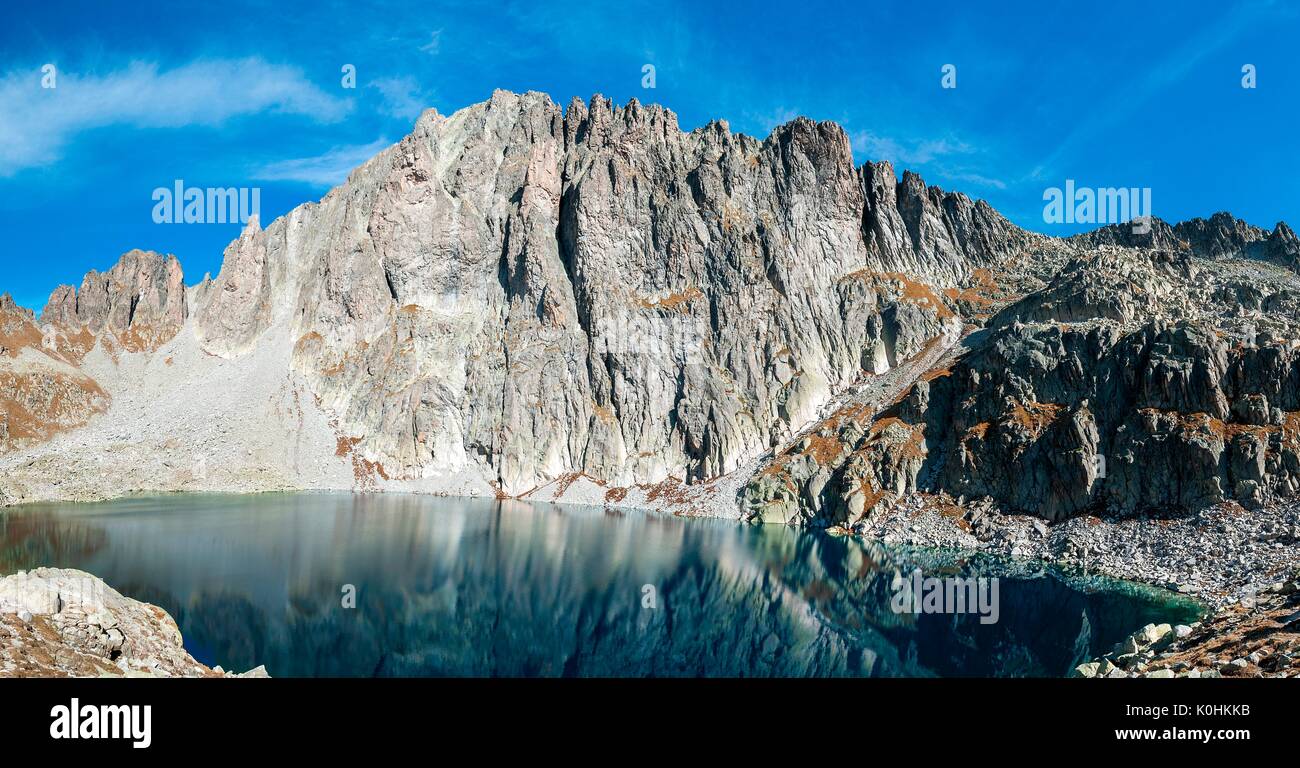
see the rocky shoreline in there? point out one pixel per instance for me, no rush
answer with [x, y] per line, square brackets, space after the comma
[58, 622]
[1242, 565]
[1257, 637]
[1222, 555]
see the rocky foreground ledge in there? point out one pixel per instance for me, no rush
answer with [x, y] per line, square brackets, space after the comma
[57, 622]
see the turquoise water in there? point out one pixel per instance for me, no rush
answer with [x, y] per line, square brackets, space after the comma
[316, 584]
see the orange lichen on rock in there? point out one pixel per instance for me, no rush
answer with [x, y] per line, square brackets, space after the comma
[74, 347]
[852, 412]
[674, 301]
[307, 339]
[1291, 429]
[886, 422]
[367, 468]
[983, 297]
[1190, 424]
[16, 333]
[871, 495]
[823, 450]
[139, 337]
[562, 485]
[913, 447]
[670, 490]
[921, 294]
[38, 405]
[364, 471]
[1035, 417]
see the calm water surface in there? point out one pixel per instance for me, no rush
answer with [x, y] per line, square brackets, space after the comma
[468, 587]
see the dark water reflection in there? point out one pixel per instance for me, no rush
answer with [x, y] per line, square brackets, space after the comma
[465, 587]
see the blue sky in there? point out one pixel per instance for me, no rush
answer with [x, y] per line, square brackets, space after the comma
[246, 94]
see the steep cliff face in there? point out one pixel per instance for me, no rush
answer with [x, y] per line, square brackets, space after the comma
[924, 231]
[538, 292]
[235, 308]
[518, 295]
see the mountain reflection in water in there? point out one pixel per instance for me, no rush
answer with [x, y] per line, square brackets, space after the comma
[476, 587]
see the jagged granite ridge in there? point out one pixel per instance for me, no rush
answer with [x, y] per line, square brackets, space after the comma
[518, 296]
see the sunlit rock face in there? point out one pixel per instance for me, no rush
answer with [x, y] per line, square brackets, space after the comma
[536, 291]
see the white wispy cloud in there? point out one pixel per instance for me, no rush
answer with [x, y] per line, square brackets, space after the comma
[325, 170]
[905, 153]
[951, 159]
[777, 117]
[401, 97]
[37, 124]
[434, 44]
[974, 179]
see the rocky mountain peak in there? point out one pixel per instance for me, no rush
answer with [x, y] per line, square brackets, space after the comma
[515, 243]
[140, 300]
[17, 327]
[8, 308]
[1222, 235]
[1283, 247]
